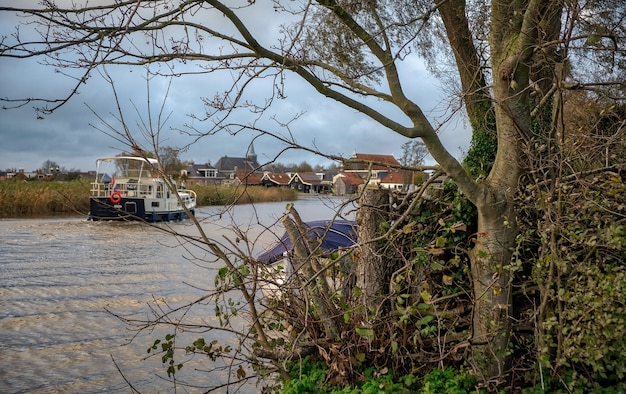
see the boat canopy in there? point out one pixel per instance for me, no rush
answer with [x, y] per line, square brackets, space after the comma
[334, 235]
[125, 167]
[110, 159]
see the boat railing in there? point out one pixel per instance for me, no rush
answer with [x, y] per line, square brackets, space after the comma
[192, 194]
[134, 189]
[100, 190]
[126, 189]
[188, 197]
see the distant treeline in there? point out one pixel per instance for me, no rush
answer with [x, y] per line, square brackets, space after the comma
[49, 198]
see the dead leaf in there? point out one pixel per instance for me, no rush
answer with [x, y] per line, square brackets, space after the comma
[458, 227]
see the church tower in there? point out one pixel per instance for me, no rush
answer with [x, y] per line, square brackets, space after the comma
[250, 155]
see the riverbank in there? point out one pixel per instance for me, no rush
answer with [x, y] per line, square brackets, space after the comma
[50, 197]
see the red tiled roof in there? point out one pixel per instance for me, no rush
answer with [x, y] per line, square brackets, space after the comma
[350, 178]
[397, 177]
[248, 178]
[385, 159]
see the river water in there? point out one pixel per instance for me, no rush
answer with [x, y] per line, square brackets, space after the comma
[63, 280]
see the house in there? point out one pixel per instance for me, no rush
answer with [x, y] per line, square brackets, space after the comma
[273, 179]
[397, 180]
[202, 173]
[371, 168]
[228, 166]
[21, 175]
[327, 177]
[309, 182]
[245, 177]
[347, 183]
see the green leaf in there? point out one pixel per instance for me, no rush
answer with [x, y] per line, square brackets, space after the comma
[199, 343]
[425, 320]
[365, 332]
[394, 347]
[244, 270]
[436, 266]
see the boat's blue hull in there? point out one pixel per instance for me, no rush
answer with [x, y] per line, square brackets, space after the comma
[130, 209]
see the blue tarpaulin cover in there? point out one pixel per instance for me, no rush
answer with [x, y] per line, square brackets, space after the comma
[336, 234]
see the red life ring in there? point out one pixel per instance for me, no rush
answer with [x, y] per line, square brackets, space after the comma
[116, 197]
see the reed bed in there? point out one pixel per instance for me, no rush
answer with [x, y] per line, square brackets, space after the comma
[43, 198]
[51, 197]
[229, 195]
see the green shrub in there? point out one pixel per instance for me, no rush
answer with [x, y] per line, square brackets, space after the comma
[448, 381]
[573, 248]
[309, 376]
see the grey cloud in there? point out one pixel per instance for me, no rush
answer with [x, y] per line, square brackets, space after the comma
[67, 137]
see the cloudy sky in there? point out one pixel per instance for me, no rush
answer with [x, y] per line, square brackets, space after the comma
[72, 136]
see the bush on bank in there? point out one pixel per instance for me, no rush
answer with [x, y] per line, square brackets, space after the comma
[568, 298]
[72, 197]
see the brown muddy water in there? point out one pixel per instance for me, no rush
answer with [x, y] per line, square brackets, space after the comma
[62, 279]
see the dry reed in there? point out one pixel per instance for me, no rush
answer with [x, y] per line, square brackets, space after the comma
[51, 197]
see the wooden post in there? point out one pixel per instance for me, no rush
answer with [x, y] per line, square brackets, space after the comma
[372, 213]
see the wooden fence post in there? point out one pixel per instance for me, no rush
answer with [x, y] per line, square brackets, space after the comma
[372, 213]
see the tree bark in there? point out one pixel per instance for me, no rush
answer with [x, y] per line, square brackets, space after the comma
[475, 92]
[490, 259]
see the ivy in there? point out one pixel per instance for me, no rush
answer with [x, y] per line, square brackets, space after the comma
[576, 243]
[482, 151]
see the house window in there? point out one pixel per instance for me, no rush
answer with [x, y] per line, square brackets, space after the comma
[207, 173]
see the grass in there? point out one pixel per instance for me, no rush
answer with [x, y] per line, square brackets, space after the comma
[50, 197]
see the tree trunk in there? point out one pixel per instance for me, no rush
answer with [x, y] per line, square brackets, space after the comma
[495, 240]
[370, 270]
[490, 259]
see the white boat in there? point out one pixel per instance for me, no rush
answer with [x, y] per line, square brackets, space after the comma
[128, 187]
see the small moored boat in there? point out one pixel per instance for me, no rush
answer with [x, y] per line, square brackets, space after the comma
[128, 187]
[329, 238]
[331, 235]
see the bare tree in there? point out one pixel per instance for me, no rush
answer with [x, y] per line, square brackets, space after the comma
[512, 62]
[413, 153]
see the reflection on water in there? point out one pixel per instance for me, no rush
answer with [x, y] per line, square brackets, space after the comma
[59, 277]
